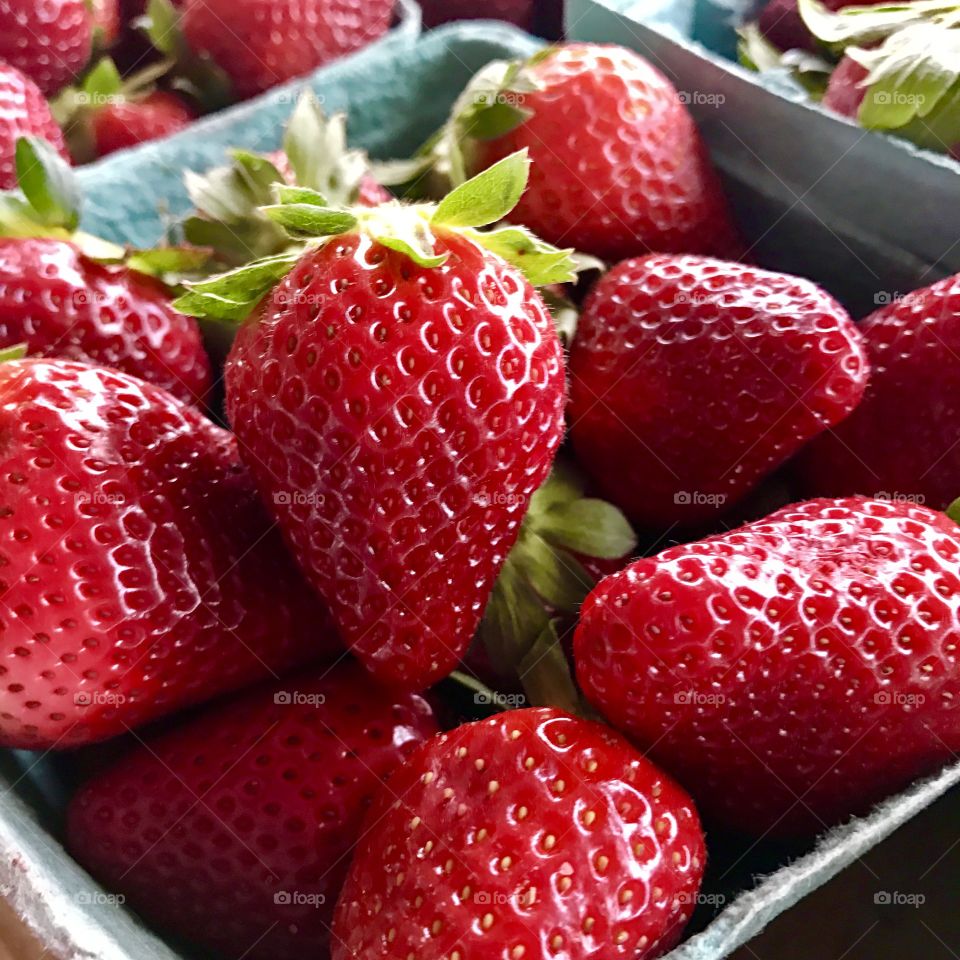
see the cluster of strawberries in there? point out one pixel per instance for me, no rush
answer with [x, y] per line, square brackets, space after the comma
[410, 503]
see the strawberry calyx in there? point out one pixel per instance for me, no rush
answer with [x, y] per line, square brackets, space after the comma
[230, 200]
[544, 578]
[48, 203]
[810, 70]
[911, 52]
[16, 351]
[411, 229]
[75, 106]
[193, 73]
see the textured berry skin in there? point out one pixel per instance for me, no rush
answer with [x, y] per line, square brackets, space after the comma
[271, 41]
[107, 19]
[843, 94]
[23, 112]
[48, 40]
[901, 441]
[522, 13]
[127, 123]
[790, 672]
[137, 568]
[693, 378]
[533, 834]
[397, 420]
[63, 305]
[205, 828]
[618, 165]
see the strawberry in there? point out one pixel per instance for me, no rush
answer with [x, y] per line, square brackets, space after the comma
[272, 41]
[140, 573]
[521, 13]
[845, 90]
[533, 834]
[23, 112]
[58, 301]
[900, 441]
[781, 22]
[234, 830]
[693, 378]
[910, 84]
[793, 671]
[618, 165]
[49, 41]
[106, 21]
[127, 123]
[398, 396]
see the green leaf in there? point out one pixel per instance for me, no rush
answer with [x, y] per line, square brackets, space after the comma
[563, 485]
[96, 248]
[307, 220]
[488, 197]
[286, 194]
[864, 26]
[48, 183]
[593, 528]
[257, 174]
[18, 218]
[101, 82]
[162, 25]
[557, 577]
[15, 352]
[169, 262]
[404, 229]
[755, 51]
[232, 295]
[545, 674]
[953, 511]
[541, 263]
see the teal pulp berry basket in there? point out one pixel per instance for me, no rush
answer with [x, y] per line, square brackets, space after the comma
[396, 94]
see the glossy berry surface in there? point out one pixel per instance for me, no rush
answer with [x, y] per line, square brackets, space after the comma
[61, 304]
[693, 378]
[235, 829]
[23, 112]
[127, 123]
[397, 420]
[48, 40]
[793, 671]
[844, 92]
[138, 570]
[618, 166]
[530, 835]
[271, 41]
[900, 442]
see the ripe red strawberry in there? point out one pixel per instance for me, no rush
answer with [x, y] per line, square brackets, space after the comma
[901, 439]
[139, 572]
[106, 20]
[618, 165]
[61, 304]
[398, 396]
[530, 835]
[790, 672]
[126, 123]
[518, 12]
[49, 40]
[271, 41]
[692, 379]
[23, 112]
[235, 829]
[844, 94]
